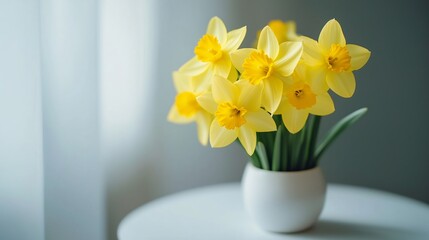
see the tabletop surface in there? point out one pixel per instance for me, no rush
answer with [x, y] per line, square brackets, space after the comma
[217, 212]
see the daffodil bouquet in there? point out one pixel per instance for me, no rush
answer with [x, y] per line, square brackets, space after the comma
[270, 98]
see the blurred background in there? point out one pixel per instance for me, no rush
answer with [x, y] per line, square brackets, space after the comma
[85, 88]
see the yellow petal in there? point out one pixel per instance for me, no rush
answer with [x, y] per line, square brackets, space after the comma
[193, 67]
[203, 81]
[217, 28]
[294, 119]
[175, 117]
[182, 82]
[272, 94]
[223, 66]
[234, 39]
[223, 90]
[316, 77]
[324, 105]
[250, 95]
[268, 43]
[261, 121]
[359, 56]
[342, 83]
[247, 138]
[300, 71]
[220, 136]
[203, 126]
[284, 104]
[289, 56]
[331, 34]
[207, 102]
[312, 54]
[288, 80]
[238, 57]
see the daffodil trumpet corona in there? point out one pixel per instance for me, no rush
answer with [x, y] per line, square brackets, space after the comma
[269, 98]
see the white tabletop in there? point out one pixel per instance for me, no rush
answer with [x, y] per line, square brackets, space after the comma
[216, 212]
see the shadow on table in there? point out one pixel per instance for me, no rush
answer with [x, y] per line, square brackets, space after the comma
[326, 229]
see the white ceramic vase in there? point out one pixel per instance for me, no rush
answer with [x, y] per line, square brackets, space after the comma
[283, 202]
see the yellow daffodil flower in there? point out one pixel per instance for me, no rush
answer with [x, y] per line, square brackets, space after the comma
[337, 58]
[186, 109]
[267, 65]
[212, 53]
[284, 31]
[304, 92]
[237, 113]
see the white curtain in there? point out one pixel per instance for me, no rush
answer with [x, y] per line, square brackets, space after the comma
[74, 86]
[73, 183]
[21, 161]
[83, 102]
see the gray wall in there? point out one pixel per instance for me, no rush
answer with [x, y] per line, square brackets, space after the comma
[387, 149]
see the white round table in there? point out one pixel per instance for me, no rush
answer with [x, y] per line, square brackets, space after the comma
[217, 213]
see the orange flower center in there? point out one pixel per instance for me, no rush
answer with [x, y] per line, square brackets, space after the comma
[230, 116]
[300, 95]
[187, 104]
[208, 49]
[338, 59]
[257, 67]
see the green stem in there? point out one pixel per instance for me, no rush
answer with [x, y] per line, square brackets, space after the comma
[277, 150]
[300, 148]
[313, 140]
[267, 138]
[262, 153]
[285, 149]
[306, 142]
[290, 152]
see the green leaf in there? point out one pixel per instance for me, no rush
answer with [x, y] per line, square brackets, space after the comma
[262, 153]
[299, 148]
[255, 160]
[336, 130]
[297, 145]
[285, 149]
[306, 155]
[277, 150]
[267, 138]
[313, 140]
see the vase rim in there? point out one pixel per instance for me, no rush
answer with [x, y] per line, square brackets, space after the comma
[316, 168]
